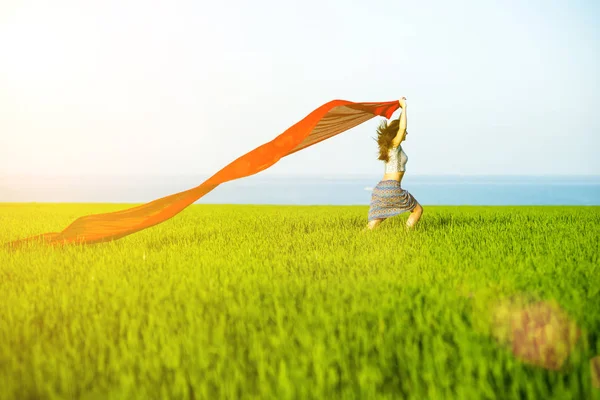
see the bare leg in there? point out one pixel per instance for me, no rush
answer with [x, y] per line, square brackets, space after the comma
[374, 224]
[415, 215]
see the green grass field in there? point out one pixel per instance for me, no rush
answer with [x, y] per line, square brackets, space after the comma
[281, 302]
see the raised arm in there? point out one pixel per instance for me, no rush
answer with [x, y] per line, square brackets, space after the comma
[402, 126]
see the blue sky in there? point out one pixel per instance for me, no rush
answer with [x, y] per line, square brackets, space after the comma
[185, 87]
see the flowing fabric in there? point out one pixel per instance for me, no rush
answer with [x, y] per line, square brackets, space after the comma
[326, 121]
[389, 199]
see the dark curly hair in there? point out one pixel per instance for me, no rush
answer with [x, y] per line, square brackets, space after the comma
[385, 134]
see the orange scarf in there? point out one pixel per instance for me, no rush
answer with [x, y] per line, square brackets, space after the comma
[326, 121]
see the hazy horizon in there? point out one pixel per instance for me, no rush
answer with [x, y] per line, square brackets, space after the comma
[308, 189]
[270, 174]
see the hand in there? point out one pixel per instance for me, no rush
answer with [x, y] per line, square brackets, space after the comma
[402, 102]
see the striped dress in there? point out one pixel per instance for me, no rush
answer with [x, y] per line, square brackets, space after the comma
[388, 198]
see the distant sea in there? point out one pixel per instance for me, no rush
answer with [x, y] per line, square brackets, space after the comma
[309, 190]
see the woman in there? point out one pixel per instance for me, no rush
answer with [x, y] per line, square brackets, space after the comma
[388, 198]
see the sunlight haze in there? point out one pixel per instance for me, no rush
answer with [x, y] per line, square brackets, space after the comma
[184, 87]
